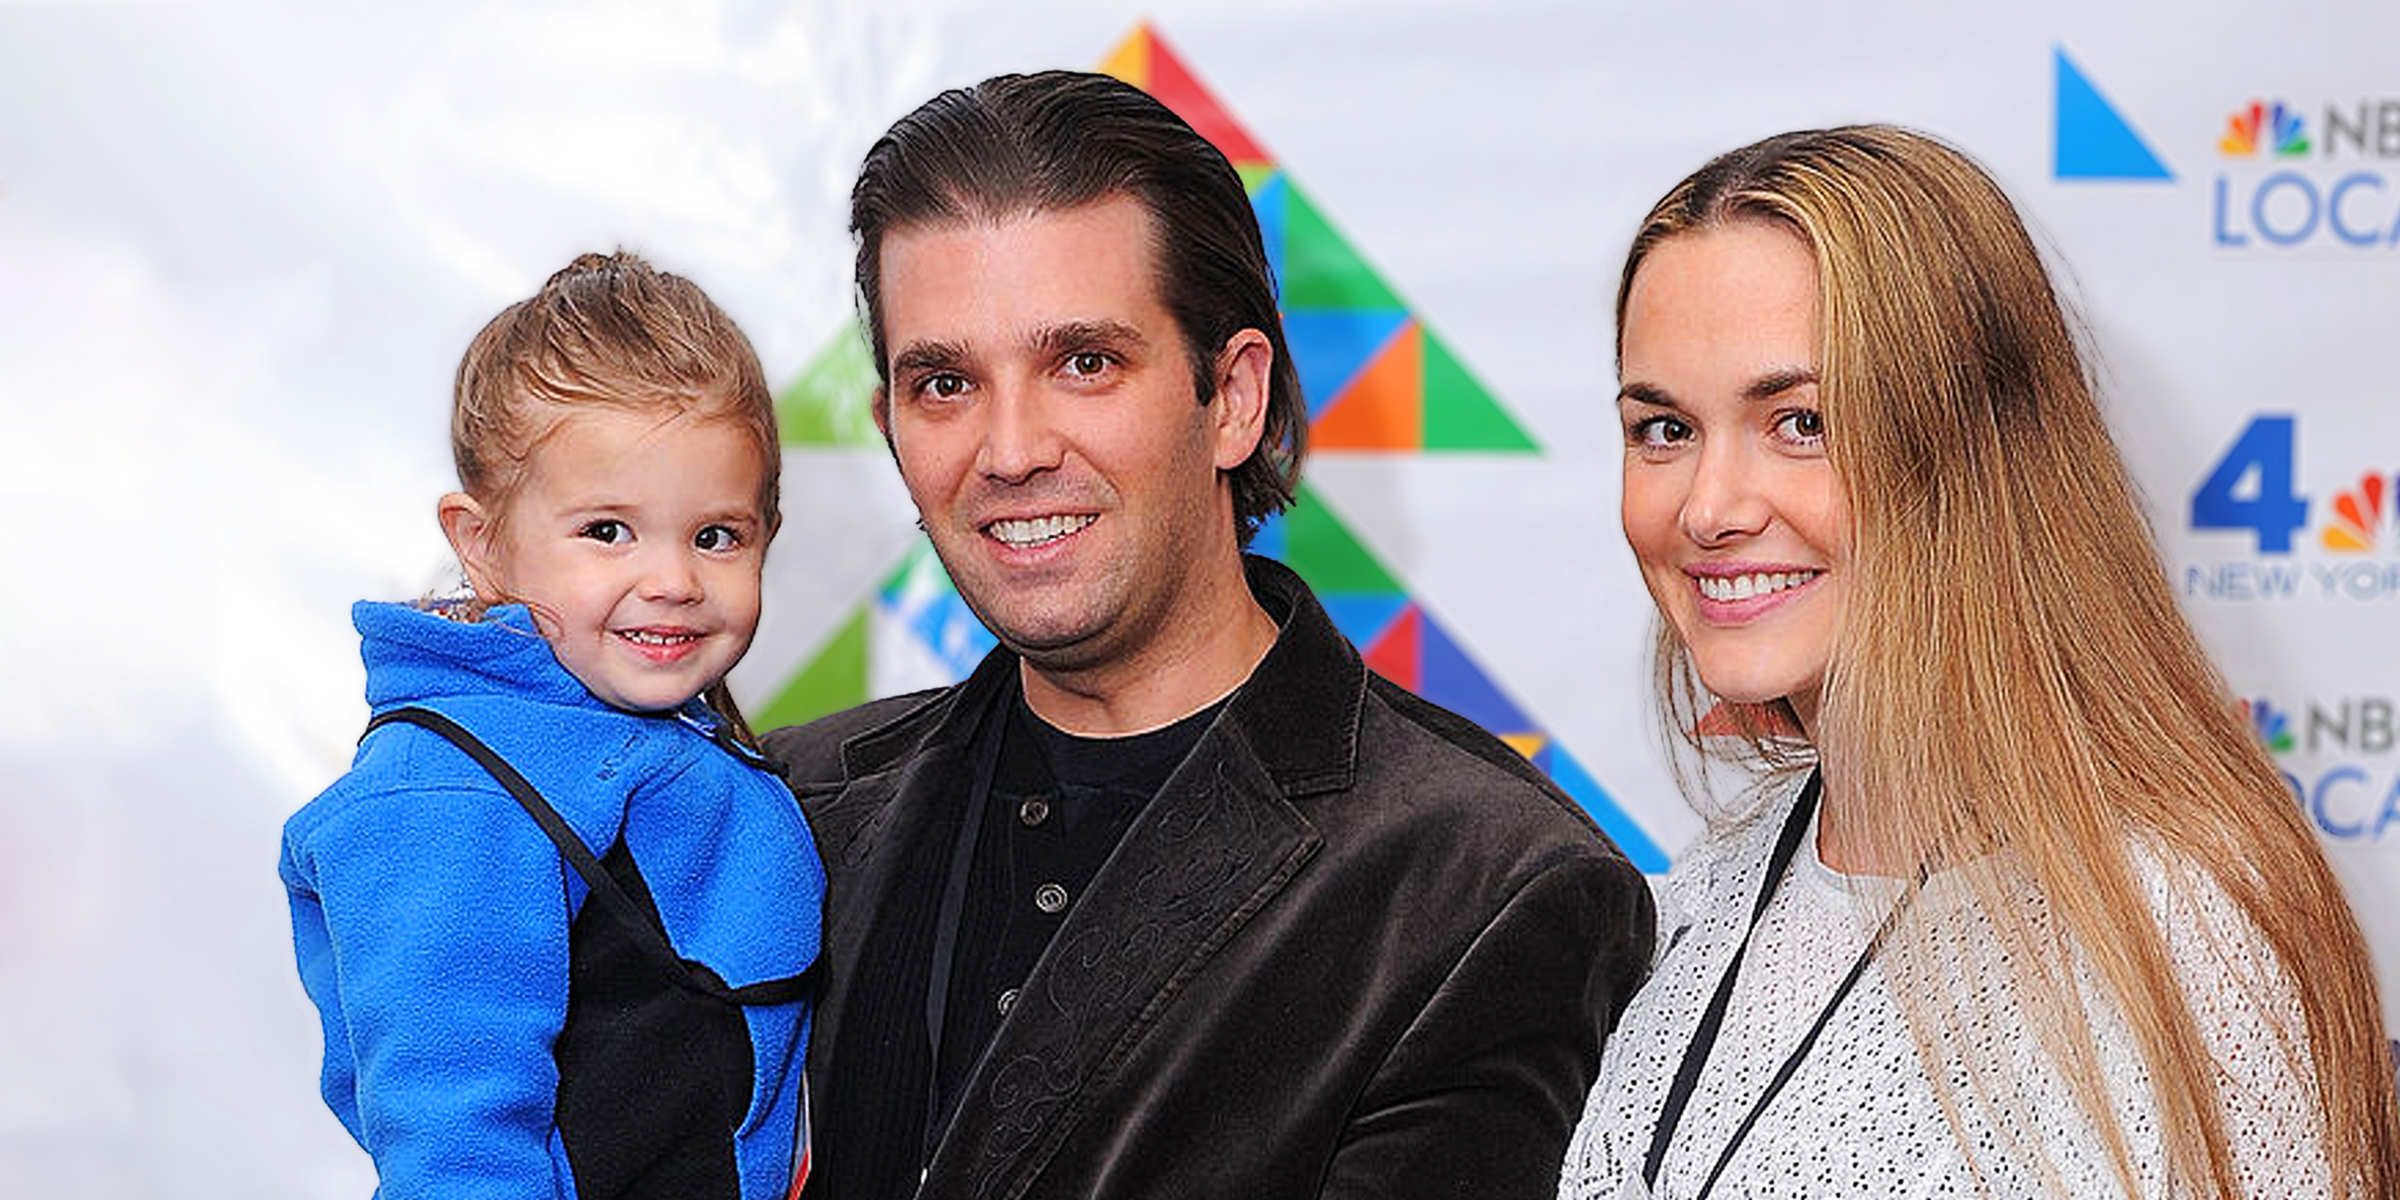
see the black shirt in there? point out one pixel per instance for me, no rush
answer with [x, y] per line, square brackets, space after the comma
[1059, 805]
[1056, 807]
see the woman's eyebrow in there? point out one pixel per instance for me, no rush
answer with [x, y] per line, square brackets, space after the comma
[1777, 382]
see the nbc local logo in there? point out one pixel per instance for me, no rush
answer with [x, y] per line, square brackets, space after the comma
[2338, 756]
[2290, 176]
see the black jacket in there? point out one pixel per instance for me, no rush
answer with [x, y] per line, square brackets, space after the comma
[1355, 947]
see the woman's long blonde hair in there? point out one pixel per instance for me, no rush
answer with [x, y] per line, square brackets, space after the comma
[2014, 682]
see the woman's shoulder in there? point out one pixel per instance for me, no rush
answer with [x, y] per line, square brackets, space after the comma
[1722, 865]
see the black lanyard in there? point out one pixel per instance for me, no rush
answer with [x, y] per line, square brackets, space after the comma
[1704, 1038]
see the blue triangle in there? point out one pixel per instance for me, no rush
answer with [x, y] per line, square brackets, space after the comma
[1329, 346]
[1267, 202]
[1449, 678]
[1572, 779]
[2093, 140]
[1362, 618]
[1269, 541]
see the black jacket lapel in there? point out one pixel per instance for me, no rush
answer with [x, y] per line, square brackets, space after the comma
[1215, 844]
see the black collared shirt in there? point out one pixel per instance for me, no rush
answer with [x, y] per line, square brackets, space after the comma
[1059, 805]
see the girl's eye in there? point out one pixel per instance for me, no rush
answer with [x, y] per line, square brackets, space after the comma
[1802, 425]
[606, 532]
[1658, 432]
[716, 537]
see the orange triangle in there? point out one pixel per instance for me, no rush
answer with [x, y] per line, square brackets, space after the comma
[1130, 61]
[1179, 89]
[1384, 406]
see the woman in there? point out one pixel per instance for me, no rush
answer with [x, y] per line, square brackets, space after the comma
[2021, 909]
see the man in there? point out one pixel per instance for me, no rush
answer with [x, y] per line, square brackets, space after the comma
[1170, 898]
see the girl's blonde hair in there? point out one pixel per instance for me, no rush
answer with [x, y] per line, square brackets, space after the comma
[607, 330]
[2014, 683]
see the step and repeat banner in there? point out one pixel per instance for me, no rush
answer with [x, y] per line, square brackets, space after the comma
[243, 245]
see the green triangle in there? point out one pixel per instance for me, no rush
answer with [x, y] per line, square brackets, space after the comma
[831, 404]
[1320, 270]
[1459, 414]
[1322, 549]
[832, 681]
[1255, 176]
[919, 571]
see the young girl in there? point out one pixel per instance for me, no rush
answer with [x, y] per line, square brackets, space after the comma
[557, 919]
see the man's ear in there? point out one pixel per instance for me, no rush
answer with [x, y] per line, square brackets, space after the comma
[881, 406]
[470, 530]
[1244, 367]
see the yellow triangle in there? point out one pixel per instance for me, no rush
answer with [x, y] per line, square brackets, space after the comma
[1130, 61]
[1527, 744]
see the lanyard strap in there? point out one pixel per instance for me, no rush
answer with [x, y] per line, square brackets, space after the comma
[647, 929]
[1704, 1038]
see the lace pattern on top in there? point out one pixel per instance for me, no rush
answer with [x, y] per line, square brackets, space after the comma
[1860, 1117]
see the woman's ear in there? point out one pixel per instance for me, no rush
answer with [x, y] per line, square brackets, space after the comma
[471, 532]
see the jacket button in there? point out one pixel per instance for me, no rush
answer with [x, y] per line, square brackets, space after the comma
[1034, 811]
[1050, 898]
[1008, 1000]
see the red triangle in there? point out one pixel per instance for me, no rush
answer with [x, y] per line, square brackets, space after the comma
[1383, 408]
[1180, 90]
[1396, 655]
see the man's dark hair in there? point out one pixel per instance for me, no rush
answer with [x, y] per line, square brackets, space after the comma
[1018, 144]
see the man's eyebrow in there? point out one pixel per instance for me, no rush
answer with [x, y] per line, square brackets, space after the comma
[928, 356]
[1777, 382]
[1067, 337]
[1645, 393]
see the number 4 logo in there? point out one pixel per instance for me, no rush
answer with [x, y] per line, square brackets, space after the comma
[2251, 487]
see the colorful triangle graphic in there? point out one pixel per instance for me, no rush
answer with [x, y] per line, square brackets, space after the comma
[2092, 139]
[1379, 381]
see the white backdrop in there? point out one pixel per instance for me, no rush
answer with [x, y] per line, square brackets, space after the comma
[242, 246]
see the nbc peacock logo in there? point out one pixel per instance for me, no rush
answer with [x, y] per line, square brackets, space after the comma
[2276, 129]
[2362, 515]
[2273, 725]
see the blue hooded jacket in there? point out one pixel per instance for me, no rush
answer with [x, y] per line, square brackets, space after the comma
[431, 915]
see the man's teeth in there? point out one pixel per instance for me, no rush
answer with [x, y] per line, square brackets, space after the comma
[649, 637]
[1744, 587]
[1036, 530]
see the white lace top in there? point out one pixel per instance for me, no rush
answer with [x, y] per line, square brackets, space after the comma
[1859, 1117]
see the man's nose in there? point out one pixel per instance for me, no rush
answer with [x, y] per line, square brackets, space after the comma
[1020, 435]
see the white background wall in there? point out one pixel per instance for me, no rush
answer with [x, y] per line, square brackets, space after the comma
[243, 244]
